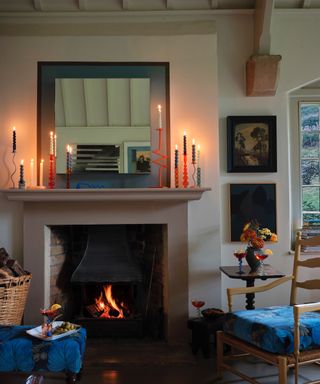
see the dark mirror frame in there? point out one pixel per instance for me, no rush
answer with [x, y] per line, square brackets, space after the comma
[158, 72]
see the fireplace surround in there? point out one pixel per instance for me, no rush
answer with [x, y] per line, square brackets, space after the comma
[42, 209]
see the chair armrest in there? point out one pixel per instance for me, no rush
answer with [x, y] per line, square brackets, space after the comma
[261, 288]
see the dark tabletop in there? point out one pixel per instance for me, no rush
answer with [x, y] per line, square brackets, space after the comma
[269, 272]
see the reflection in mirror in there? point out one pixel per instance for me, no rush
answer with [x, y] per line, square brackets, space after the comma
[107, 123]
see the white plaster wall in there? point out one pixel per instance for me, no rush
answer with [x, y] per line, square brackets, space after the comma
[198, 99]
[193, 93]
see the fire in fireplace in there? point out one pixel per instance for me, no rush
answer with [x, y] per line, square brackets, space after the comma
[116, 279]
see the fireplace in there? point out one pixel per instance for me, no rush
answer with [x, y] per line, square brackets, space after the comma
[109, 278]
[162, 206]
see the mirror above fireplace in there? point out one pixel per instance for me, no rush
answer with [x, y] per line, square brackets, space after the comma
[127, 161]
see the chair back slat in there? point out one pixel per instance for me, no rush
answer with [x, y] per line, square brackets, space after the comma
[309, 263]
[313, 261]
[308, 284]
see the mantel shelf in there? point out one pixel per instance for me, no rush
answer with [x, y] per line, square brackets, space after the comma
[112, 194]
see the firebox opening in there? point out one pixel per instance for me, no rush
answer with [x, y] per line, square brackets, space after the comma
[118, 288]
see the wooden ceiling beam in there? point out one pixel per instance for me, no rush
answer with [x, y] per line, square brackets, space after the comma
[37, 4]
[262, 26]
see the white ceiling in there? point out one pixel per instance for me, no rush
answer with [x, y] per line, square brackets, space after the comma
[146, 5]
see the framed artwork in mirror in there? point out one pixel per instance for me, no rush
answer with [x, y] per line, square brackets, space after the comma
[252, 202]
[251, 144]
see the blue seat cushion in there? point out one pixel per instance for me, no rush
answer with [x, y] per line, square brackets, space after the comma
[22, 352]
[272, 328]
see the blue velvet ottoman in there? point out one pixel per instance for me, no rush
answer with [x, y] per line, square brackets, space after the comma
[22, 352]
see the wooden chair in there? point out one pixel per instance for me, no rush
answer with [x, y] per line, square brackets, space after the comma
[282, 361]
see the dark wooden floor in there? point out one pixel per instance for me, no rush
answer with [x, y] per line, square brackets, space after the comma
[110, 361]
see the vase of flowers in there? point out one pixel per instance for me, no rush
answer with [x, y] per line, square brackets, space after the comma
[255, 236]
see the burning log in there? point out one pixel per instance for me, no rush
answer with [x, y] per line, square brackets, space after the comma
[94, 310]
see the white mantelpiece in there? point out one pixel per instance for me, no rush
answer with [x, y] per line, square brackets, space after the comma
[121, 194]
[169, 207]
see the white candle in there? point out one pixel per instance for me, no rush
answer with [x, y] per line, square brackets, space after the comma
[55, 145]
[41, 173]
[32, 173]
[159, 117]
[51, 143]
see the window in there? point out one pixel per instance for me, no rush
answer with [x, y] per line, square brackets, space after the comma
[309, 126]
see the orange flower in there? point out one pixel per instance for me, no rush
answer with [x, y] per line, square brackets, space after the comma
[257, 243]
[274, 237]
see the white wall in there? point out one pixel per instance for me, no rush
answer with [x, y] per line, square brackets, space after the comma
[199, 104]
[193, 94]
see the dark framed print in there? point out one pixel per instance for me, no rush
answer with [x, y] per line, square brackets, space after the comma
[252, 202]
[252, 143]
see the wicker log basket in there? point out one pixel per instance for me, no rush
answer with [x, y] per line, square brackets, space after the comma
[13, 297]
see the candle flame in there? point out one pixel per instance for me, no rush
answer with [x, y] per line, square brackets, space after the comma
[32, 161]
[51, 134]
[42, 161]
[198, 147]
[21, 162]
[184, 133]
[176, 146]
[159, 108]
[193, 141]
[13, 128]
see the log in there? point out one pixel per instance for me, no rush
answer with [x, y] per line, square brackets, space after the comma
[4, 256]
[16, 267]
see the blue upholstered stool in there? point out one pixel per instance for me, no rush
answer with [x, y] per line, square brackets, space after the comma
[21, 352]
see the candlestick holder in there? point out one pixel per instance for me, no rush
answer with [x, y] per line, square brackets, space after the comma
[194, 174]
[14, 169]
[198, 177]
[22, 183]
[68, 177]
[162, 158]
[176, 177]
[185, 179]
[52, 172]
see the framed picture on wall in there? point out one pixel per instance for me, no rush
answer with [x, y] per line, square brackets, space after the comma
[251, 144]
[252, 202]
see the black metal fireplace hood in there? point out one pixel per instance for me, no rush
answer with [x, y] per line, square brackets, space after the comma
[107, 258]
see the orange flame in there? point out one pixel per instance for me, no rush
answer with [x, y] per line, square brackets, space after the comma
[108, 303]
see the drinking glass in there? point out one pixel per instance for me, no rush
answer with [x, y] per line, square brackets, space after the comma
[239, 255]
[198, 304]
[261, 257]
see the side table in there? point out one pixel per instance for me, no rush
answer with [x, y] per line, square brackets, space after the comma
[202, 328]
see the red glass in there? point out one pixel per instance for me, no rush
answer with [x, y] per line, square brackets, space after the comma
[261, 257]
[198, 304]
[240, 256]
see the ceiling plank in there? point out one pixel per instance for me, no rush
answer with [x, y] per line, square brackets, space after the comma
[262, 26]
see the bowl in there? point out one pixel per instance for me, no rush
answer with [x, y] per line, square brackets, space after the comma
[212, 313]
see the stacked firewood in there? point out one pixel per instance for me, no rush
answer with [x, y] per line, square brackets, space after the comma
[10, 267]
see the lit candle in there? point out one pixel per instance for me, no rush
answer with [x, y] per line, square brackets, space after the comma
[198, 156]
[184, 142]
[69, 158]
[41, 173]
[55, 145]
[51, 143]
[31, 172]
[193, 151]
[176, 157]
[159, 117]
[14, 140]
